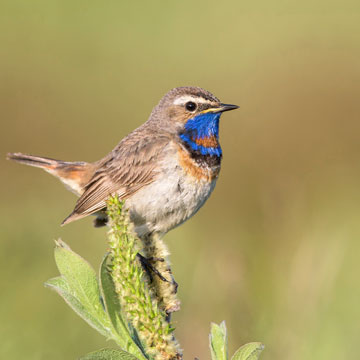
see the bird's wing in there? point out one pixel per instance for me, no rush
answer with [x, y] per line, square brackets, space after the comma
[129, 167]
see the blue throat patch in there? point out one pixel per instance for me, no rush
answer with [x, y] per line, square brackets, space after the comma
[201, 127]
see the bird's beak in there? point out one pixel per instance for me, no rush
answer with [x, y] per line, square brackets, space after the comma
[226, 107]
[221, 108]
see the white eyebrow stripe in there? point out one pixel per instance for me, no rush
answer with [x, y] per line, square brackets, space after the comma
[185, 98]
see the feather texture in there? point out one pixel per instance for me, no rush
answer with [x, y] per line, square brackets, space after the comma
[129, 167]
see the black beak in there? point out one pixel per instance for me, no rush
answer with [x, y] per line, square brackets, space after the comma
[226, 107]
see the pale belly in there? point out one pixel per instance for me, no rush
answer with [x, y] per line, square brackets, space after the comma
[171, 199]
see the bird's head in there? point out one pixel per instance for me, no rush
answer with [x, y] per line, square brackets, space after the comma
[192, 113]
[184, 104]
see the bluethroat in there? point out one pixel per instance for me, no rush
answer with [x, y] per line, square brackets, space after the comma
[165, 170]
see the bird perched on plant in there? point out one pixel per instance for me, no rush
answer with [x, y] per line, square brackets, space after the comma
[165, 170]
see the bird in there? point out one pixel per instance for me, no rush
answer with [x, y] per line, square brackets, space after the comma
[164, 170]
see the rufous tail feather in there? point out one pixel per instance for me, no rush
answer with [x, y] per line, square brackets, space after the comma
[75, 175]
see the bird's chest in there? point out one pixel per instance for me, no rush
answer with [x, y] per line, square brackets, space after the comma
[182, 186]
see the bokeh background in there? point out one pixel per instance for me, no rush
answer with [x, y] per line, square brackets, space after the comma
[275, 251]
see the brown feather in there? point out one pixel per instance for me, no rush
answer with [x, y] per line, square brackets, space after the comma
[129, 167]
[75, 175]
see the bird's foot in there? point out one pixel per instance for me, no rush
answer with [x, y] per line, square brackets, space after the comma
[149, 268]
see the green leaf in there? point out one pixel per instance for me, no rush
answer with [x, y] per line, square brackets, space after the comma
[109, 354]
[111, 300]
[112, 305]
[79, 288]
[249, 351]
[218, 342]
[60, 285]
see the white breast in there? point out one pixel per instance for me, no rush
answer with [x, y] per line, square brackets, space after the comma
[170, 200]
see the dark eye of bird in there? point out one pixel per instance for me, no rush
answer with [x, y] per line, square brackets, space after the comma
[190, 106]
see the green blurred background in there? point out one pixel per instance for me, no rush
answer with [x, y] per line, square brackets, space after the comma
[275, 251]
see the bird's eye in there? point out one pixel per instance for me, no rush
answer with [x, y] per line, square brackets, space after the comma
[190, 106]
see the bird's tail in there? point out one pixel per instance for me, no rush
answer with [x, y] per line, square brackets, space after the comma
[75, 175]
[38, 161]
